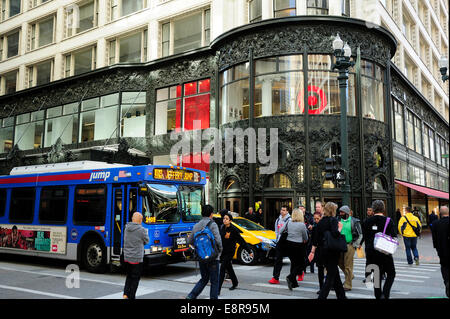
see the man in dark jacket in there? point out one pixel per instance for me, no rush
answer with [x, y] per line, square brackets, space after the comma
[230, 237]
[440, 243]
[135, 238]
[209, 271]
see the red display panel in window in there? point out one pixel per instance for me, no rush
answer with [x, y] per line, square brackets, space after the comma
[196, 108]
[195, 161]
[204, 86]
[190, 88]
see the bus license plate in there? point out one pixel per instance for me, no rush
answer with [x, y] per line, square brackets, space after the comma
[181, 242]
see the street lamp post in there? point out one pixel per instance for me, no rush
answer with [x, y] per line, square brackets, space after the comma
[342, 63]
[443, 67]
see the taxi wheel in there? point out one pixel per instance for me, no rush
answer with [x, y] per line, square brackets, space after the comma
[244, 256]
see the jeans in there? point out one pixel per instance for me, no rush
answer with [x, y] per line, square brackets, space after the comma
[411, 244]
[209, 272]
[134, 272]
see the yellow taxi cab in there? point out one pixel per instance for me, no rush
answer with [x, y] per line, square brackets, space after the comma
[260, 240]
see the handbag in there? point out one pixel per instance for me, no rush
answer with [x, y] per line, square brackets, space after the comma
[385, 243]
[334, 244]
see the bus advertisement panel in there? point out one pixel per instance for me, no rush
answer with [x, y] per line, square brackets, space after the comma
[48, 239]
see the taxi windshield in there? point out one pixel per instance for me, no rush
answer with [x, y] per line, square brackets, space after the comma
[191, 203]
[247, 224]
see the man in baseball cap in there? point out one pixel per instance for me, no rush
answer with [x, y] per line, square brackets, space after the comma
[352, 231]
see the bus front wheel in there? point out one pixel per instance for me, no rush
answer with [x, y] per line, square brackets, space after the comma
[94, 257]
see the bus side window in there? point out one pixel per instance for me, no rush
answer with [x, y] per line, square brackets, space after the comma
[22, 205]
[90, 205]
[53, 205]
[2, 202]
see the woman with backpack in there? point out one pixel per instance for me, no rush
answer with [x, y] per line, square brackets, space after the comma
[230, 236]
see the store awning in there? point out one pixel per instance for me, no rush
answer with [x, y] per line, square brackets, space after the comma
[425, 190]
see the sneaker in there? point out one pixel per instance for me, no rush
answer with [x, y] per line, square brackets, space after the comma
[274, 281]
[300, 277]
[417, 261]
[233, 287]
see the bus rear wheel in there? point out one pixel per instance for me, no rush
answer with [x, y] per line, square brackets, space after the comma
[94, 257]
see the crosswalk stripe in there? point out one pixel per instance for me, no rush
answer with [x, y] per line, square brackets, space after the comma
[396, 274]
[347, 294]
[396, 279]
[401, 263]
[37, 292]
[417, 268]
[139, 292]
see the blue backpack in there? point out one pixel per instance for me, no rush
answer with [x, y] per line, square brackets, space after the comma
[205, 244]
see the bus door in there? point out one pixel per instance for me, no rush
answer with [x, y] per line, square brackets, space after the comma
[125, 205]
[117, 222]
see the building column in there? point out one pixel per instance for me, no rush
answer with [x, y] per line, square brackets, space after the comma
[101, 53]
[266, 10]
[153, 40]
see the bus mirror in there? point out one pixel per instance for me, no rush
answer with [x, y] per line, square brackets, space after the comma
[143, 190]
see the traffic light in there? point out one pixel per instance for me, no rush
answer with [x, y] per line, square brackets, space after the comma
[330, 168]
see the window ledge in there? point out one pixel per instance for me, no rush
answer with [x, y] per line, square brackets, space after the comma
[128, 15]
[79, 33]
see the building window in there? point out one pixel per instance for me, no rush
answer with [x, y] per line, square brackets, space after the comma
[131, 48]
[372, 90]
[400, 170]
[9, 82]
[6, 134]
[185, 33]
[426, 144]
[35, 3]
[283, 8]
[80, 62]
[10, 8]
[39, 74]
[61, 123]
[345, 8]
[29, 130]
[85, 17]
[278, 180]
[278, 82]
[179, 106]
[317, 7]
[41, 33]
[398, 126]
[234, 93]
[9, 44]
[120, 8]
[410, 129]
[133, 114]
[98, 119]
[431, 139]
[323, 88]
[255, 10]
[418, 135]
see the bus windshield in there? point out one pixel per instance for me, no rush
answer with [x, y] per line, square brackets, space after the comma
[191, 203]
[161, 205]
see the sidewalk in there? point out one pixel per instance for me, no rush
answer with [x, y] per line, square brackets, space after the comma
[427, 254]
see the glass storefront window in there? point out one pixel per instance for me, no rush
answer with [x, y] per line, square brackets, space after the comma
[65, 127]
[29, 130]
[133, 114]
[278, 180]
[101, 122]
[400, 170]
[168, 110]
[6, 134]
[234, 93]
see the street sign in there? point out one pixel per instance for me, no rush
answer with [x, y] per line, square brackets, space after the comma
[444, 155]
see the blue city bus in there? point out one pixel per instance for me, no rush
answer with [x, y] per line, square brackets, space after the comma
[77, 211]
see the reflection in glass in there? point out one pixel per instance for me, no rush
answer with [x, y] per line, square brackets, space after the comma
[234, 101]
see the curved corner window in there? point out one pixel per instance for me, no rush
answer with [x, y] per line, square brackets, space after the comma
[283, 8]
[372, 91]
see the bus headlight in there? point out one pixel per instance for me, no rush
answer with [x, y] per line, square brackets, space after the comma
[156, 249]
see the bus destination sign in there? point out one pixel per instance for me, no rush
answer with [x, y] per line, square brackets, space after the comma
[171, 174]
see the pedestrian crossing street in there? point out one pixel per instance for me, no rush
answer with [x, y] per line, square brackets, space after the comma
[408, 280]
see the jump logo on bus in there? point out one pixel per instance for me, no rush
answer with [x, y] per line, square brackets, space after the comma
[99, 176]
